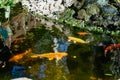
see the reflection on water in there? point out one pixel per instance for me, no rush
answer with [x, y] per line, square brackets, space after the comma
[42, 70]
[82, 63]
[18, 71]
[48, 70]
[59, 68]
[115, 66]
[51, 69]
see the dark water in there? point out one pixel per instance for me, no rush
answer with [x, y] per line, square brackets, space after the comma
[80, 64]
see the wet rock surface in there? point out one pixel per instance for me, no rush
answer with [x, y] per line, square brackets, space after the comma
[101, 13]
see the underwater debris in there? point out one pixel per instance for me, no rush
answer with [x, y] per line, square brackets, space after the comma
[107, 74]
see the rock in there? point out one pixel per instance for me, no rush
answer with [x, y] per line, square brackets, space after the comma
[102, 2]
[78, 4]
[49, 8]
[117, 2]
[92, 9]
[115, 18]
[68, 3]
[109, 10]
[94, 17]
[90, 1]
[82, 14]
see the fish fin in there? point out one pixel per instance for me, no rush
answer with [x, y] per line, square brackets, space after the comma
[50, 59]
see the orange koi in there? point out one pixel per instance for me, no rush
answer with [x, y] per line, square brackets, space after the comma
[111, 47]
[19, 56]
[83, 33]
[50, 56]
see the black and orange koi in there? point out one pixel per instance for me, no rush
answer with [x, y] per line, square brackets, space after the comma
[111, 47]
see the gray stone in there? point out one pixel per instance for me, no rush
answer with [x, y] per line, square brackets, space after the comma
[92, 9]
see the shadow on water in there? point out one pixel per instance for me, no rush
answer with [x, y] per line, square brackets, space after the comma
[79, 61]
[78, 65]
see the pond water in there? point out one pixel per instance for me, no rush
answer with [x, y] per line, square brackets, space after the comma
[82, 63]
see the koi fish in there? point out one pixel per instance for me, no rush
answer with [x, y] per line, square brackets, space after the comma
[19, 56]
[50, 56]
[76, 39]
[111, 47]
[83, 33]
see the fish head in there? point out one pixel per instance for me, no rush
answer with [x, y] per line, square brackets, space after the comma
[19, 56]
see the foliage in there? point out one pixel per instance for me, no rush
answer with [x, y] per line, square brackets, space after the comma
[65, 19]
[15, 10]
[4, 3]
[2, 13]
[68, 19]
